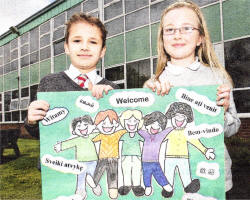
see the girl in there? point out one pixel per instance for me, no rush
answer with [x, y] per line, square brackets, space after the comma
[186, 58]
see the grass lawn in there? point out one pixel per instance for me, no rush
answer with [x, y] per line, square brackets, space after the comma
[19, 177]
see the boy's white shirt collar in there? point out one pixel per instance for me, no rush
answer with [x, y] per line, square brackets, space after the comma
[177, 70]
[73, 73]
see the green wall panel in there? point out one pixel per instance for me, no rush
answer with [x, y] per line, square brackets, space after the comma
[115, 51]
[137, 44]
[7, 82]
[1, 83]
[236, 16]
[212, 16]
[154, 33]
[60, 63]
[45, 68]
[34, 74]
[24, 77]
[68, 61]
[14, 80]
[11, 81]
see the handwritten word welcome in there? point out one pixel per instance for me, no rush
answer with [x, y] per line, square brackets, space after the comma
[131, 99]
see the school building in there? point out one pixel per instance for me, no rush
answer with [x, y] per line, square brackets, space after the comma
[34, 48]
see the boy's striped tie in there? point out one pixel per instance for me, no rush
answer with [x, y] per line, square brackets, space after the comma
[82, 79]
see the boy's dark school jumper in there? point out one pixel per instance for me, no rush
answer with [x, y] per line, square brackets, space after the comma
[59, 82]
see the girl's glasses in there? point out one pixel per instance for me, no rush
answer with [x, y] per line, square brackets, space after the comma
[182, 30]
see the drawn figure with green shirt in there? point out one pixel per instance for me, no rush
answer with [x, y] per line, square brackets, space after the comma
[85, 152]
[177, 151]
[130, 144]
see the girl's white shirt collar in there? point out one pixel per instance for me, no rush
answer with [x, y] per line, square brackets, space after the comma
[177, 70]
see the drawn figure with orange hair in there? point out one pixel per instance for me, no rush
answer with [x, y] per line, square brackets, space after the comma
[107, 123]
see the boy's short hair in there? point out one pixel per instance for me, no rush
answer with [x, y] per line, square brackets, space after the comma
[156, 116]
[85, 118]
[81, 17]
[111, 114]
[182, 108]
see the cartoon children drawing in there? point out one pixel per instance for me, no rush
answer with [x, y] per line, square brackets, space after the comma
[155, 124]
[177, 152]
[85, 152]
[107, 123]
[130, 142]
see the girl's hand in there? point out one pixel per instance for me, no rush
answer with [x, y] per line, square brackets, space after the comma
[161, 88]
[223, 96]
[37, 111]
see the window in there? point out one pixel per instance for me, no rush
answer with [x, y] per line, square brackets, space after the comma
[138, 73]
[59, 20]
[58, 47]
[237, 61]
[141, 17]
[90, 5]
[133, 5]
[113, 10]
[115, 73]
[115, 26]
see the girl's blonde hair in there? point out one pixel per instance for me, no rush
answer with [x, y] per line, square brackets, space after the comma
[128, 114]
[205, 51]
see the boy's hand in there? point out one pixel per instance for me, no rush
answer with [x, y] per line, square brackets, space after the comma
[223, 96]
[162, 88]
[97, 90]
[37, 111]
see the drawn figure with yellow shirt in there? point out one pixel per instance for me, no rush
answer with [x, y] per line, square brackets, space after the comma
[177, 152]
[107, 122]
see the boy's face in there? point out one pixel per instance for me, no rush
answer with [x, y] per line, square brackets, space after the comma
[107, 127]
[131, 124]
[179, 121]
[84, 46]
[83, 129]
[154, 128]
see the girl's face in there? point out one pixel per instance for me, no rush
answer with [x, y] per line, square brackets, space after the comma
[131, 124]
[181, 46]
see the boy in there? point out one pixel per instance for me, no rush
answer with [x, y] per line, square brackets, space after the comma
[85, 153]
[85, 45]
